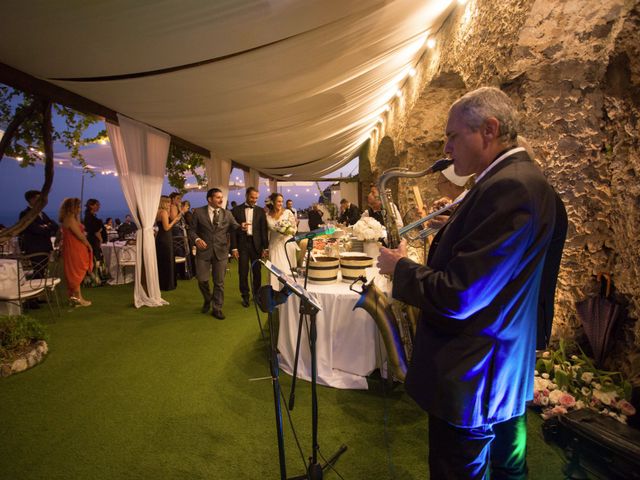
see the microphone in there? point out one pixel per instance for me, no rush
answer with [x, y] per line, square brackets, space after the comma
[440, 165]
[312, 234]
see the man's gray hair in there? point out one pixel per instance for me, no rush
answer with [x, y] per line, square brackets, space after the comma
[486, 102]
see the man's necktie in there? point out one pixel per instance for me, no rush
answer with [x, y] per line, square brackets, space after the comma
[216, 216]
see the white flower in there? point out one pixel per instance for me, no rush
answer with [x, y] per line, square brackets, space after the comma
[586, 391]
[545, 376]
[587, 377]
[368, 228]
[580, 404]
[606, 398]
[554, 396]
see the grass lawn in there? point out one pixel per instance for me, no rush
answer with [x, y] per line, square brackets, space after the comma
[165, 393]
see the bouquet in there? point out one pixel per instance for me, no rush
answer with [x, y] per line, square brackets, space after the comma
[285, 227]
[564, 383]
[368, 228]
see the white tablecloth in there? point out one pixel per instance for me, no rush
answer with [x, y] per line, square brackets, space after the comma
[123, 274]
[303, 225]
[9, 284]
[348, 346]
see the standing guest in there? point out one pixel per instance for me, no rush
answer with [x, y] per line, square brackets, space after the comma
[127, 228]
[191, 258]
[349, 213]
[164, 244]
[210, 231]
[289, 206]
[480, 293]
[76, 250]
[178, 232]
[233, 204]
[281, 252]
[315, 217]
[249, 245]
[36, 237]
[94, 227]
[374, 209]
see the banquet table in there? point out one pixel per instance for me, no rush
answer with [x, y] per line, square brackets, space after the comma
[9, 283]
[348, 346]
[114, 253]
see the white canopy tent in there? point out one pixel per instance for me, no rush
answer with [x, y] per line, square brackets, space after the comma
[289, 87]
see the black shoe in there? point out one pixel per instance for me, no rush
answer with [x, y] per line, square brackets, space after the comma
[245, 302]
[205, 307]
[218, 314]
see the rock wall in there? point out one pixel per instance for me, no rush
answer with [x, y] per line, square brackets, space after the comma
[572, 67]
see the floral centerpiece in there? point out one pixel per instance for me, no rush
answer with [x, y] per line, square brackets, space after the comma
[563, 383]
[368, 229]
[285, 227]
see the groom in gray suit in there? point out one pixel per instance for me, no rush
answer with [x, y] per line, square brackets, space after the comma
[210, 229]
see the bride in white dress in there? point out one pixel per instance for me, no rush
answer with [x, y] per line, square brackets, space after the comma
[278, 241]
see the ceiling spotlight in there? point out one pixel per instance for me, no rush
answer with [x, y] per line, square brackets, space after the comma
[431, 42]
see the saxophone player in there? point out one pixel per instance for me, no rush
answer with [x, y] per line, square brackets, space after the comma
[480, 291]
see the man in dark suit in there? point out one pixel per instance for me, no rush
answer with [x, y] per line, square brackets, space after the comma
[474, 351]
[210, 229]
[349, 213]
[250, 245]
[36, 237]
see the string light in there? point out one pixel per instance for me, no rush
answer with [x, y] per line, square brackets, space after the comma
[412, 72]
[431, 42]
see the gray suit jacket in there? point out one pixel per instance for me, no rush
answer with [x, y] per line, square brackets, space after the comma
[215, 236]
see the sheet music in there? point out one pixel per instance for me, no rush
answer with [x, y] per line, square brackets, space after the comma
[289, 281]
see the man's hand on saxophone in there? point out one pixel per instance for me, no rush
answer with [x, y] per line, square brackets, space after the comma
[390, 257]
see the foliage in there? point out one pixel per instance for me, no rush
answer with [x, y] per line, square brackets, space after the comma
[182, 160]
[566, 382]
[27, 145]
[18, 331]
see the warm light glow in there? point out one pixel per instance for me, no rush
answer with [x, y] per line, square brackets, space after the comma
[19, 159]
[115, 174]
[462, 2]
[431, 42]
[412, 72]
[59, 163]
[387, 108]
[399, 93]
[307, 189]
[102, 141]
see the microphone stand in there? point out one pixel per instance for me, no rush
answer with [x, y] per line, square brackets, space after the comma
[315, 470]
[292, 395]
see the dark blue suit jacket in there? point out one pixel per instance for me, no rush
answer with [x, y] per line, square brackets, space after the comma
[474, 351]
[37, 236]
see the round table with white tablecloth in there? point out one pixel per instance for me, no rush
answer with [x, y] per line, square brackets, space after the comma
[9, 285]
[348, 346]
[115, 255]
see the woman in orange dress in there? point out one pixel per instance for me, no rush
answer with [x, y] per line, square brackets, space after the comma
[76, 250]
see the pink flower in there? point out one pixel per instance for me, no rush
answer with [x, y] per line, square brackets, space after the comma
[567, 400]
[626, 408]
[558, 410]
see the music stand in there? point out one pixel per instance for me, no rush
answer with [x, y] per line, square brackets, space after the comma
[309, 305]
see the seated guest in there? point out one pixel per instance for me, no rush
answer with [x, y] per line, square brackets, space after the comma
[108, 224]
[36, 237]
[76, 250]
[127, 228]
[117, 223]
[94, 227]
[315, 217]
[349, 213]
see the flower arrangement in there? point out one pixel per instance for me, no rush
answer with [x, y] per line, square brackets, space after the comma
[564, 383]
[368, 228]
[285, 227]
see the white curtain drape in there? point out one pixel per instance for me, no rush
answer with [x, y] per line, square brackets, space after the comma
[140, 153]
[252, 178]
[273, 186]
[218, 171]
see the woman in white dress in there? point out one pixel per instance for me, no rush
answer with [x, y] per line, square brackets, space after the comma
[277, 219]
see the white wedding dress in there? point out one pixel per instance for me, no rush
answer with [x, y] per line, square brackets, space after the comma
[278, 244]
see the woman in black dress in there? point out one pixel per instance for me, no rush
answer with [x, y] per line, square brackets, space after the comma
[164, 245]
[94, 227]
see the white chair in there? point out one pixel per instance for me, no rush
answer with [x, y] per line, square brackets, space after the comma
[125, 257]
[17, 288]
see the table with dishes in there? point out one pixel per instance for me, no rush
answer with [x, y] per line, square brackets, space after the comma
[115, 254]
[348, 345]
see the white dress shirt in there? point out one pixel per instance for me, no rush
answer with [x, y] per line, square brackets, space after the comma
[248, 215]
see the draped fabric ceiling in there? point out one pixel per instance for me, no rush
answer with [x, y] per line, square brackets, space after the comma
[284, 87]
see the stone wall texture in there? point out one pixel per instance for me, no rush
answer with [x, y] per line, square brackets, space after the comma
[573, 69]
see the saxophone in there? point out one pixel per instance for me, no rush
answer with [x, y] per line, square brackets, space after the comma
[396, 321]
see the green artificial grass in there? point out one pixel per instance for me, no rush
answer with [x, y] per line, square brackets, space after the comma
[165, 393]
